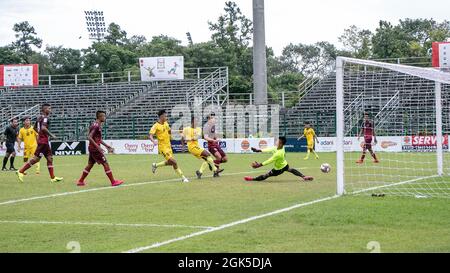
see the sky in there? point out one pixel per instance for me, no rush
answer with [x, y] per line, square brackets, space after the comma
[287, 21]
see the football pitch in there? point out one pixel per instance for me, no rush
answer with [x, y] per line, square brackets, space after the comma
[158, 213]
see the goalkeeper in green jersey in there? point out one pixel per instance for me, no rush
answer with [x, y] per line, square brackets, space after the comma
[279, 161]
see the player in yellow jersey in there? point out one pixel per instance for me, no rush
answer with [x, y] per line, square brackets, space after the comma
[161, 130]
[190, 136]
[28, 135]
[310, 135]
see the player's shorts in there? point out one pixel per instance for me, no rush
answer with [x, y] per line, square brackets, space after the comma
[43, 150]
[215, 148]
[275, 172]
[196, 151]
[29, 151]
[10, 148]
[367, 142]
[166, 152]
[310, 144]
[95, 156]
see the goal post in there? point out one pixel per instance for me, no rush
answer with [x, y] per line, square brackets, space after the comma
[409, 110]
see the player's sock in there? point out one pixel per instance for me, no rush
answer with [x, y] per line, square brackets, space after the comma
[295, 172]
[211, 162]
[203, 167]
[307, 154]
[217, 162]
[179, 172]
[109, 173]
[51, 171]
[11, 162]
[315, 154]
[261, 177]
[26, 167]
[84, 174]
[5, 160]
[161, 164]
[362, 157]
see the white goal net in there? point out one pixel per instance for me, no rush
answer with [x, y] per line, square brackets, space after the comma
[401, 115]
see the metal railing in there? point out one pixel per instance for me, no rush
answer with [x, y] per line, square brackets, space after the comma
[114, 77]
[208, 87]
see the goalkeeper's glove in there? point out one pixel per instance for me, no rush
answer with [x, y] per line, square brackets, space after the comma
[256, 165]
[256, 150]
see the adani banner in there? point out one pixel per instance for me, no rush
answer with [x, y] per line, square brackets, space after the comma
[162, 68]
[352, 144]
[68, 148]
[19, 75]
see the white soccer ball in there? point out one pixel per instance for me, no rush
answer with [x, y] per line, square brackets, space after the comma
[325, 168]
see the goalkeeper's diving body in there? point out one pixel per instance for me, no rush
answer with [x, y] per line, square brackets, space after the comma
[279, 161]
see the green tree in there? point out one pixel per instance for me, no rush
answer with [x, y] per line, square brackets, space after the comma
[104, 57]
[232, 33]
[8, 55]
[357, 41]
[410, 38]
[420, 33]
[204, 55]
[161, 45]
[64, 60]
[308, 60]
[26, 38]
[116, 36]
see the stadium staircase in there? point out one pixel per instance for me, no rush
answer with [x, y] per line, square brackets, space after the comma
[139, 115]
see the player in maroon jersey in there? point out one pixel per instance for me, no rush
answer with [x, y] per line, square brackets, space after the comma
[368, 130]
[210, 135]
[43, 149]
[96, 153]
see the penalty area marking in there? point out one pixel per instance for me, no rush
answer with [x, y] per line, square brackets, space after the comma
[108, 188]
[243, 221]
[99, 224]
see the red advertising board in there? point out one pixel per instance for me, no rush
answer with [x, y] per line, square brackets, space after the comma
[441, 54]
[19, 75]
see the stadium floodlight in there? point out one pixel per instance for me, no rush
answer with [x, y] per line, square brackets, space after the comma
[406, 107]
[95, 24]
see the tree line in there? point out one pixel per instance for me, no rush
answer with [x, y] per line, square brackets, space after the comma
[229, 46]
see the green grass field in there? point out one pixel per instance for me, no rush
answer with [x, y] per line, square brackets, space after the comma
[204, 215]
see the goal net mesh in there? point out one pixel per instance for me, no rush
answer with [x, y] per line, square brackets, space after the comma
[400, 103]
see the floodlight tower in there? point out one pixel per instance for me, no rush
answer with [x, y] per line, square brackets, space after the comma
[259, 54]
[95, 24]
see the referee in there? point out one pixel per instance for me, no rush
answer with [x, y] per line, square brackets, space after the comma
[11, 133]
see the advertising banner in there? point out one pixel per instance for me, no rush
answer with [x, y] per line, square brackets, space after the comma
[352, 144]
[132, 146]
[19, 75]
[68, 148]
[227, 145]
[243, 145]
[162, 68]
[294, 145]
[441, 54]
[422, 143]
